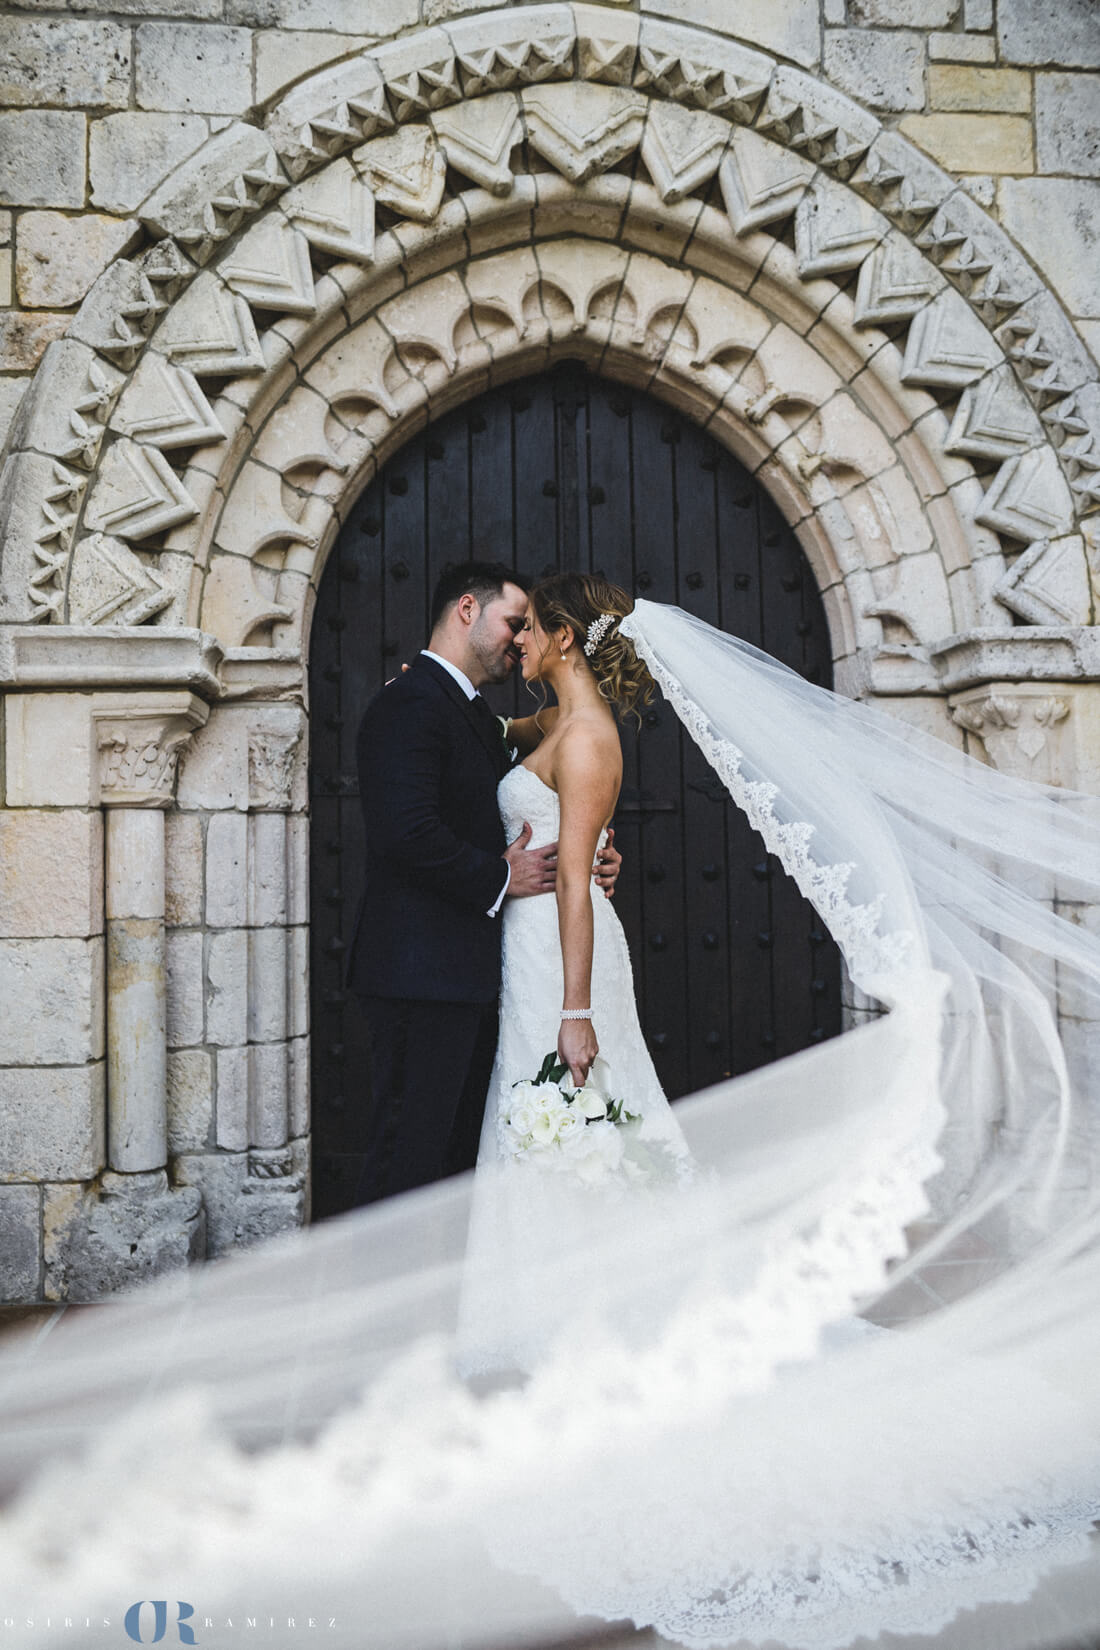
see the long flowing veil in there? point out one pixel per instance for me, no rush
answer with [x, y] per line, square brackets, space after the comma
[717, 1441]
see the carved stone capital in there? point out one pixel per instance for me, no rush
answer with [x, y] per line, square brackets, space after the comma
[271, 767]
[138, 743]
[1021, 728]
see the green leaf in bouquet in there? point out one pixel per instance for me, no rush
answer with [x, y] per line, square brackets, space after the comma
[548, 1064]
[558, 1072]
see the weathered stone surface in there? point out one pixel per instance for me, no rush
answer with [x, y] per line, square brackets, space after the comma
[25, 336]
[1067, 123]
[20, 1243]
[283, 57]
[51, 1122]
[906, 14]
[69, 401]
[51, 1001]
[51, 873]
[42, 158]
[226, 870]
[385, 17]
[58, 258]
[48, 747]
[961, 48]
[1051, 583]
[211, 193]
[133, 1229]
[12, 393]
[961, 86]
[137, 493]
[583, 129]
[182, 870]
[190, 1100]
[241, 1209]
[232, 1099]
[109, 584]
[792, 29]
[202, 67]
[884, 68]
[227, 988]
[135, 8]
[974, 143]
[129, 154]
[1057, 221]
[1065, 35]
[328, 113]
[478, 137]
[184, 989]
[80, 65]
[513, 49]
[406, 171]
[39, 499]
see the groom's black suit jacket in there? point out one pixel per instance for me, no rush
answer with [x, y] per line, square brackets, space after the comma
[429, 765]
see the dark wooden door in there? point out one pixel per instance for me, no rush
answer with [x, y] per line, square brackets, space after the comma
[732, 967]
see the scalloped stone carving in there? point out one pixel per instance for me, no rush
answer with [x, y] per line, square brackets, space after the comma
[165, 407]
[1029, 498]
[406, 171]
[67, 404]
[607, 44]
[478, 138]
[582, 129]
[270, 267]
[335, 212]
[330, 112]
[761, 182]
[947, 345]
[701, 71]
[421, 74]
[108, 584]
[514, 50]
[1051, 583]
[137, 493]
[118, 314]
[993, 419]
[894, 283]
[206, 200]
[211, 332]
[833, 230]
[681, 148]
[817, 121]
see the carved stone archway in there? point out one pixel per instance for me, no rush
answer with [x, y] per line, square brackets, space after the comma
[443, 212]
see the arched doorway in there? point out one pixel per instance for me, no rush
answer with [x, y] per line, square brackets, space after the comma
[732, 967]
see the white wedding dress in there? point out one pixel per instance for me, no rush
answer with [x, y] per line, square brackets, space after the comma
[519, 1208]
[694, 1442]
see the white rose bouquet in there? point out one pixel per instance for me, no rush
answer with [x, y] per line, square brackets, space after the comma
[572, 1131]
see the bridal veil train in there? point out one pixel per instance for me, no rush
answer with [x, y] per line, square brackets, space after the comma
[710, 1444]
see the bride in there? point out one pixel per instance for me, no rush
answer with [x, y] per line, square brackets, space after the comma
[699, 1443]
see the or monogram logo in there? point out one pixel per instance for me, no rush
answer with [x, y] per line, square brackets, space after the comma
[132, 1621]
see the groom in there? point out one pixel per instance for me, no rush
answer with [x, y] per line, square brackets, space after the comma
[425, 955]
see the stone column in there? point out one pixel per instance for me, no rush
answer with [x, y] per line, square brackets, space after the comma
[139, 743]
[271, 1167]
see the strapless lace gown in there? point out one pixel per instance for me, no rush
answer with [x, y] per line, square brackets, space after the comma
[519, 1209]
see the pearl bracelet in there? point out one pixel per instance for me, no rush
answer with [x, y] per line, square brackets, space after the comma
[576, 1013]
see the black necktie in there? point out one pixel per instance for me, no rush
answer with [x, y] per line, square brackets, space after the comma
[491, 722]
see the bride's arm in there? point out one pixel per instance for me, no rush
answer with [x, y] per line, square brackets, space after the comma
[587, 785]
[525, 732]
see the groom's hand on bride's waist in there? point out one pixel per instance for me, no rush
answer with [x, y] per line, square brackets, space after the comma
[609, 862]
[534, 870]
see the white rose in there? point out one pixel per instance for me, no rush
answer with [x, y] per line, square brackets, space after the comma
[523, 1114]
[570, 1127]
[591, 1102]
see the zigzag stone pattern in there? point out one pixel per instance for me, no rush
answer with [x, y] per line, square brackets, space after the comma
[582, 90]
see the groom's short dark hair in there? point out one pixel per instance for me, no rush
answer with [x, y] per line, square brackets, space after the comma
[483, 579]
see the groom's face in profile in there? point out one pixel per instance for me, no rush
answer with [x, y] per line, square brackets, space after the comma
[494, 631]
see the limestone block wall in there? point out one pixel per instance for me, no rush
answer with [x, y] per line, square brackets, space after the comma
[99, 100]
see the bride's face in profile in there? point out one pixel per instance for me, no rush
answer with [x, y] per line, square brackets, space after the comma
[534, 646]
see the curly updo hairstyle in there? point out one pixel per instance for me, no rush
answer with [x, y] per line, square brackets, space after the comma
[579, 599]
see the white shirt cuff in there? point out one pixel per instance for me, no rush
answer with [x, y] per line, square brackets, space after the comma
[499, 901]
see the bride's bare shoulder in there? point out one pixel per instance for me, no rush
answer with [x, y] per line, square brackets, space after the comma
[586, 747]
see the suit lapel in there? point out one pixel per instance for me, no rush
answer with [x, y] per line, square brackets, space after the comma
[488, 734]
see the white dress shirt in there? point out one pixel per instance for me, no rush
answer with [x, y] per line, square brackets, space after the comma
[470, 691]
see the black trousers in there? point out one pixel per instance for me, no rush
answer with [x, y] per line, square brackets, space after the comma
[431, 1063]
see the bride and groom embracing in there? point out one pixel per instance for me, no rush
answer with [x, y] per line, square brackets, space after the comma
[488, 859]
